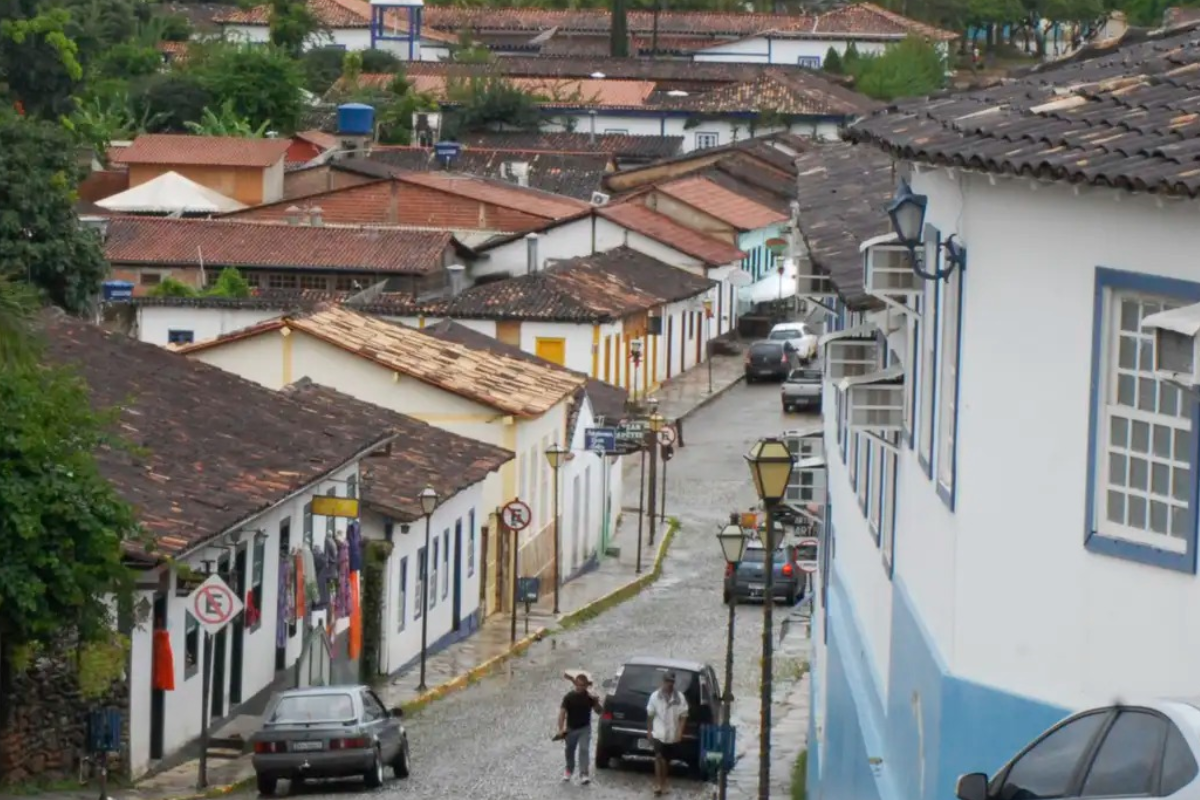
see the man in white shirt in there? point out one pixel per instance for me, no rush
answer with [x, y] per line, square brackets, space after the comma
[666, 714]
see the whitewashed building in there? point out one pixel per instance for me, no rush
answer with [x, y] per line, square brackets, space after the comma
[1011, 514]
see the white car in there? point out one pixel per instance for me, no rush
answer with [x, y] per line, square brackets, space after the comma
[799, 336]
[1114, 752]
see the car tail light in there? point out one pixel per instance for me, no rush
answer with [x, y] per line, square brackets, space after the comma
[268, 747]
[787, 570]
[783, 358]
[348, 744]
[606, 716]
[728, 570]
[747, 357]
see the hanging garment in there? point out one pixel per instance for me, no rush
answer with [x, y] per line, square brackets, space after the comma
[321, 565]
[329, 584]
[310, 578]
[355, 618]
[342, 602]
[283, 605]
[164, 662]
[301, 609]
[354, 537]
[251, 611]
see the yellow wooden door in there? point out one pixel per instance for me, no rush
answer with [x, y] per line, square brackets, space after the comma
[608, 359]
[554, 350]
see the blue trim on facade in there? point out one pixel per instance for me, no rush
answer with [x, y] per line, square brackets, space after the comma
[949, 495]
[889, 557]
[1188, 291]
[470, 624]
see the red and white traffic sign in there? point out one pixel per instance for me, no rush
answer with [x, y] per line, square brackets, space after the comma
[807, 547]
[516, 515]
[666, 436]
[214, 604]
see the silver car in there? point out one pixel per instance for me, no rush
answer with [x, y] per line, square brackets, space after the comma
[1114, 752]
[329, 732]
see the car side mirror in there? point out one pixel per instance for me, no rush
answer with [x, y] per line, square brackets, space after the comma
[398, 712]
[973, 786]
[608, 684]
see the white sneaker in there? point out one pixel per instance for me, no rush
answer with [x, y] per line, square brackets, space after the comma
[585, 780]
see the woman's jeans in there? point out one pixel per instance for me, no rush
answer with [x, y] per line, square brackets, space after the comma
[579, 738]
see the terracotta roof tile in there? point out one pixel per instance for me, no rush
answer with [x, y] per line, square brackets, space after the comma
[333, 14]
[668, 73]
[598, 20]
[1122, 115]
[570, 174]
[718, 201]
[156, 240]
[521, 198]
[617, 144]
[202, 151]
[663, 229]
[870, 20]
[789, 93]
[214, 450]
[424, 456]
[277, 299]
[550, 92]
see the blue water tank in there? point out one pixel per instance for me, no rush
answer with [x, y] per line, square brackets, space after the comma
[117, 290]
[355, 119]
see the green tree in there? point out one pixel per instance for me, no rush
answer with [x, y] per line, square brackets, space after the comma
[486, 102]
[39, 62]
[16, 307]
[322, 67]
[618, 43]
[263, 84]
[41, 239]
[230, 283]
[291, 24]
[169, 101]
[226, 122]
[99, 121]
[912, 68]
[173, 287]
[129, 60]
[832, 62]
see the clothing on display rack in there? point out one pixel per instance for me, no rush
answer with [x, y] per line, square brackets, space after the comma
[301, 608]
[310, 578]
[343, 585]
[354, 539]
[355, 618]
[164, 662]
[322, 574]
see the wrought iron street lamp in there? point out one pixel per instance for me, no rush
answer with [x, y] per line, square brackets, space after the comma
[635, 355]
[708, 315]
[771, 468]
[429, 503]
[555, 456]
[732, 539]
[907, 213]
[654, 424]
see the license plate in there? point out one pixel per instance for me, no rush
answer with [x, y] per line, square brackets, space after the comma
[757, 587]
[644, 744]
[308, 745]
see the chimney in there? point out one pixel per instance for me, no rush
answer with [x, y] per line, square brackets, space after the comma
[294, 215]
[592, 120]
[314, 216]
[531, 244]
[457, 278]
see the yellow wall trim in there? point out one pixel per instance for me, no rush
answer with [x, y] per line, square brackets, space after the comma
[595, 351]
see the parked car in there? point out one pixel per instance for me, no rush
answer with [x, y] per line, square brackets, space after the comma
[329, 732]
[802, 389]
[1116, 752]
[622, 729]
[771, 360]
[747, 579]
[800, 335]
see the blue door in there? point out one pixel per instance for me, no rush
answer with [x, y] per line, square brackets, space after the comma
[456, 615]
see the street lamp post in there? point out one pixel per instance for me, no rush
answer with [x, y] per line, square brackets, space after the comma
[429, 503]
[771, 467]
[656, 422]
[555, 455]
[732, 539]
[635, 355]
[708, 343]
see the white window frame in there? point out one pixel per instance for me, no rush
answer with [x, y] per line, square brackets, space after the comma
[876, 456]
[912, 359]
[928, 371]
[1119, 382]
[947, 431]
[887, 491]
[445, 563]
[422, 574]
[863, 459]
[715, 139]
[808, 62]
[433, 578]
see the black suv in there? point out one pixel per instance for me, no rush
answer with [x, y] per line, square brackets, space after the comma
[623, 724]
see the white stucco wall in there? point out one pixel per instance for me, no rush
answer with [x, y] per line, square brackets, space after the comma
[349, 38]
[726, 130]
[154, 323]
[772, 50]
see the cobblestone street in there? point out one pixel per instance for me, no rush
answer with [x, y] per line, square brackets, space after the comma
[492, 740]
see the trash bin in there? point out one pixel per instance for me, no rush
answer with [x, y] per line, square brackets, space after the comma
[718, 747]
[104, 730]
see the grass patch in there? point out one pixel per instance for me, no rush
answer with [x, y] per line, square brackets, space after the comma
[626, 592]
[800, 776]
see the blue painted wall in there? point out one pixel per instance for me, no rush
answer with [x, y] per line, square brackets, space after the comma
[937, 726]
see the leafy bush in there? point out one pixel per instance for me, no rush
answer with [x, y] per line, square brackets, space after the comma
[170, 101]
[912, 68]
[262, 83]
[832, 62]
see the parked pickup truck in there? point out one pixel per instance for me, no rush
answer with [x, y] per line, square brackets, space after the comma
[802, 389]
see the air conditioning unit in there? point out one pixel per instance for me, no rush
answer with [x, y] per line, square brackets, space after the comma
[600, 199]
[851, 358]
[807, 484]
[887, 271]
[1176, 346]
[810, 282]
[875, 401]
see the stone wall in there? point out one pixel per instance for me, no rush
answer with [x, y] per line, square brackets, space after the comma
[44, 718]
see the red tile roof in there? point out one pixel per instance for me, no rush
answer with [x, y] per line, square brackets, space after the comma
[156, 240]
[722, 203]
[870, 20]
[520, 198]
[550, 92]
[663, 229]
[621, 145]
[202, 151]
[332, 14]
[780, 92]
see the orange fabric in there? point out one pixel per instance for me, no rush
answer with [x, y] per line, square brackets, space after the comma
[355, 618]
[164, 662]
[300, 610]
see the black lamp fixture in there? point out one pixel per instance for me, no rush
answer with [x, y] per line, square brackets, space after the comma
[405, 528]
[907, 213]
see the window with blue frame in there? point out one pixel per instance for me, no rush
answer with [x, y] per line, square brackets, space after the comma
[180, 337]
[887, 510]
[808, 62]
[928, 371]
[433, 578]
[1142, 490]
[445, 563]
[402, 595]
[874, 488]
[471, 543]
[422, 572]
[862, 450]
[947, 432]
[912, 374]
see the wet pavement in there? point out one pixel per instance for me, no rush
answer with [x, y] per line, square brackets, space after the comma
[492, 739]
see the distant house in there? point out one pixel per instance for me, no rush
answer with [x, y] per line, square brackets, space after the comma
[248, 170]
[625, 150]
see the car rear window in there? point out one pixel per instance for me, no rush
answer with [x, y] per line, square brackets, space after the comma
[781, 335]
[805, 375]
[643, 679]
[757, 556]
[331, 707]
[763, 348]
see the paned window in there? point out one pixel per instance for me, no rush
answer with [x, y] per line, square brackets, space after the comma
[445, 563]
[180, 337]
[862, 450]
[422, 567]
[256, 580]
[887, 512]
[928, 370]
[471, 543]
[402, 596]
[314, 282]
[433, 579]
[281, 280]
[876, 488]
[706, 139]
[951, 313]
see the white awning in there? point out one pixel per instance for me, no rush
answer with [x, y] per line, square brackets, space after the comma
[1185, 320]
[815, 462]
[808, 430]
[857, 332]
[879, 376]
[170, 193]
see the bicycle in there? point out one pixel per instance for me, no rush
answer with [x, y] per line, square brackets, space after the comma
[93, 766]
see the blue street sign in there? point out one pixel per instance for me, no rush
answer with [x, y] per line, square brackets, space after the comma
[447, 150]
[527, 589]
[600, 440]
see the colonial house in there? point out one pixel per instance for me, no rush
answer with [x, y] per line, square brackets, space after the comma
[1011, 460]
[146, 251]
[461, 567]
[493, 398]
[248, 170]
[618, 315]
[625, 150]
[245, 469]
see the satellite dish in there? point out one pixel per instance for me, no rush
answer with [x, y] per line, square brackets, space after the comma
[740, 278]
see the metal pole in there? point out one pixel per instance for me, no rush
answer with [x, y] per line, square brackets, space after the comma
[205, 690]
[709, 346]
[768, 643]
[664, 493]
[653, 482]
[641, 500]
[516, 537]
[654, 35]
[557, 545]
[425, 608]
[727, 697]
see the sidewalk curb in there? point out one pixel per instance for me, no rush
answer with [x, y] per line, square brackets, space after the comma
[212, 791]
[711, 397]
[628, 591]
